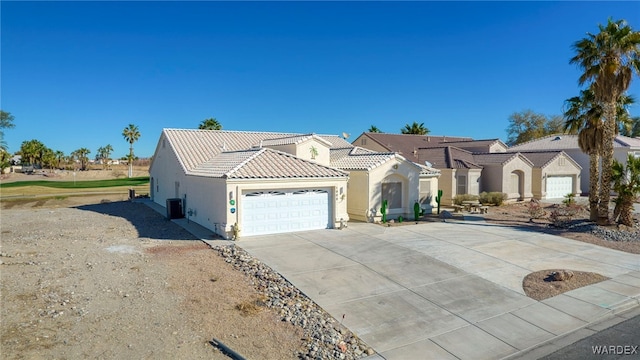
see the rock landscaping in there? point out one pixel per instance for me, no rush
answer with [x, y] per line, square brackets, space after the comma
[326, 338]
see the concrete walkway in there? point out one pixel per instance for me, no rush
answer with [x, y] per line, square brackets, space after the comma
[448, 290]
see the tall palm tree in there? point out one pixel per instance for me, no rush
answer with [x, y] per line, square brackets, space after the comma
[609, 60]
[131, 134]
[582, 115]
[415, 128]
[210, 124]
[374, 129]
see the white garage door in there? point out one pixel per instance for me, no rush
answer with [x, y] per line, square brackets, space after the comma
[559, 186]
[271, 212]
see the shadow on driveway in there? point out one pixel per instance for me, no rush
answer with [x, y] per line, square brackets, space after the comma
[148, 222]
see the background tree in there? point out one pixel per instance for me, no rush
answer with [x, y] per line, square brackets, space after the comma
[374, 129]
[608, 60]
[49, 159]
[60, 158]
[82, 155]
[31, 152]
[415, 128]
[527, 125]
[631, 129]
[626, 182]
[210, 124]
[5, 160]
[104, 155]
[6, 122]
[583, 116]
[131, 134]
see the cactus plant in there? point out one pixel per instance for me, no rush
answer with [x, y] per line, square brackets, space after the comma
[417, 210]
[383, 211]
[438, 199]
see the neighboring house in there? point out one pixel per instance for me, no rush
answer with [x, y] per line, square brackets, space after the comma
[263, 183]
[509, 173]
[459, 174]
[623, 145]
[406, 145]
[375, 176]
[555, 174]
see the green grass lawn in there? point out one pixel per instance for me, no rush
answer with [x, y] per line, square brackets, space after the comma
[86, 184]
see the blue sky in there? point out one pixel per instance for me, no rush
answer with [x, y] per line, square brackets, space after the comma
[75, 74]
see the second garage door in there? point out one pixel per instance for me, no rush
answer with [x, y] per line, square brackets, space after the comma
[279, 211]
[559, 186]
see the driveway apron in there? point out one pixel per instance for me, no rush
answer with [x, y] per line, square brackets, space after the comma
[447, 290]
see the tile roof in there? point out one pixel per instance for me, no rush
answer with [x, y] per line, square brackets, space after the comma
[541, 159]
[295, 139]
[447, 157]
[264, 163]
[407, 144]
[198, 151]
[356, 158]
[497, 158]
[567, 141]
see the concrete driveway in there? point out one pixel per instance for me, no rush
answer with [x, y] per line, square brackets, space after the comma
[448, 290]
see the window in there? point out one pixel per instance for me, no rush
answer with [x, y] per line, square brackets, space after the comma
[425, 191]
[363, 141]
[392, 192]
[462, 184]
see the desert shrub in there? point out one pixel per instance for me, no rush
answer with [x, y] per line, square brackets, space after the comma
[535, 210]
[492, 198]
[569, 199]
[561, 216]
[458, 199]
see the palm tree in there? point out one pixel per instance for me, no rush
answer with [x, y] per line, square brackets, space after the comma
[626, 182]
[582, 115]
[103, 154]
[31, 151]
[59, 158]
[374, 129]
[131, 134]
[210, 124]
[415, 128]
[82, 155]
[609, 60]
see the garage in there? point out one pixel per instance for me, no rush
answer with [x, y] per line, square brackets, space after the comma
[278, 211]
[559, 186]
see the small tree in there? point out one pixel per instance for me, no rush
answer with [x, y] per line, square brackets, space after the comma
[374, 129]
[626, 182]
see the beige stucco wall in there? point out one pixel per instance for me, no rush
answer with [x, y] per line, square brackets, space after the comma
[524, 168]
[303, 150]
[428, 190]
[396, 170]
[492, 178]
[358, 196]
[165, 172]
[497, 147]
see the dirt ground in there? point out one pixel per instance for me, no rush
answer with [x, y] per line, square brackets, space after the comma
[540, 285]
[118, 281]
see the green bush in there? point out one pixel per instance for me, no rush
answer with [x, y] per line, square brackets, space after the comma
[492, 198]
[458, 199]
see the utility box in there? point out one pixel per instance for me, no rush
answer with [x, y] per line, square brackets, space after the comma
[174, 208]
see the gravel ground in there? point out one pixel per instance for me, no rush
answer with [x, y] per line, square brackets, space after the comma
[117, 280]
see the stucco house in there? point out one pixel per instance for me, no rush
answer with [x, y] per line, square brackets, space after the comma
[623, 145]
[377, 176]
[265, 182]
[554, 175]
[509, 173]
